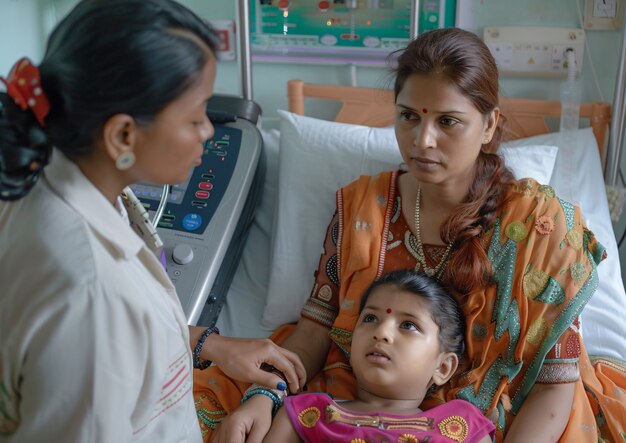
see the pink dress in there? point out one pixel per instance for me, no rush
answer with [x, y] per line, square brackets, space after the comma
[318, 419]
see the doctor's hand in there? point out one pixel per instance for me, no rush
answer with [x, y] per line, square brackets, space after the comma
[245, 359]
[249, 423]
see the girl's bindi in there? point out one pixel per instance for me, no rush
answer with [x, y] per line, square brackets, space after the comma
[388, 310]
[425, 111]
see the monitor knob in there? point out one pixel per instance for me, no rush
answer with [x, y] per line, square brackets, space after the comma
[182, 254]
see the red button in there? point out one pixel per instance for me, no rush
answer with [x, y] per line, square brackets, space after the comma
[283, 4]
[205, 185]
[202, 194]
[324, 6]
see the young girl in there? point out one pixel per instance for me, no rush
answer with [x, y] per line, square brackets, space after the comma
[409, 337]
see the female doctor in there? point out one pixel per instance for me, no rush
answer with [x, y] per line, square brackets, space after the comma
[93, 341]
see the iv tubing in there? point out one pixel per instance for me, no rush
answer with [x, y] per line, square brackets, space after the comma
[571, 65]
[161, 208]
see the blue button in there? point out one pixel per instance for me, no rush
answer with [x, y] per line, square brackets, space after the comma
[191, 222]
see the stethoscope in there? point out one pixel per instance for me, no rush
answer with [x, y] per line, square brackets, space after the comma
[162, 203]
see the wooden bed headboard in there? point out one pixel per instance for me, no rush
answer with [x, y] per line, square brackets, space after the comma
[375, 108]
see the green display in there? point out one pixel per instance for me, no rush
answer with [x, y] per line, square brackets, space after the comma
[339, 30]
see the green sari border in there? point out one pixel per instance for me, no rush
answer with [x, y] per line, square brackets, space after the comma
[563, 321]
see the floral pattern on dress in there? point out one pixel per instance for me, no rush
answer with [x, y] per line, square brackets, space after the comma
[454, 427]
[544, 225]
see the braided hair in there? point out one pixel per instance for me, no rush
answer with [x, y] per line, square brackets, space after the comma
[464, 60]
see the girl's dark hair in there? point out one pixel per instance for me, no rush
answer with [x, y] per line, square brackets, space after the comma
[463, 60]
[444, 309]
[106, 57]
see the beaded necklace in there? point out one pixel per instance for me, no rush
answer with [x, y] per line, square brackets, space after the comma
[421, 257]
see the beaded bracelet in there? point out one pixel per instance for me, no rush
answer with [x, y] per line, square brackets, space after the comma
[196, 351]
[274, 394]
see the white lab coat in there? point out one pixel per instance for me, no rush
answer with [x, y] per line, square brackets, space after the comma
[93, 341]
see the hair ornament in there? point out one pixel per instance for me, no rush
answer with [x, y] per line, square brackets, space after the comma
[24, 87]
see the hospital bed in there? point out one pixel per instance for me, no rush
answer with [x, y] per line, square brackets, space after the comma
[309, 158]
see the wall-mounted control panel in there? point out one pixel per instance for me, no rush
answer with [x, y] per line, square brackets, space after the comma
[534, 51]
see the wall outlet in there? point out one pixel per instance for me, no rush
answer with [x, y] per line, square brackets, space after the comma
[603, 14]
[534, 51]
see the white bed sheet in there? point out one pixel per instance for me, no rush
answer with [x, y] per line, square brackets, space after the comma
[577, 177]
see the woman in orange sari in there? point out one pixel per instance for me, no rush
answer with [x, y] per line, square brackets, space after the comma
[519, 259]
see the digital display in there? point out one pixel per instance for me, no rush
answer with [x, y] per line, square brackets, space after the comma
[191, 204]
[150, 191]
[363, 31]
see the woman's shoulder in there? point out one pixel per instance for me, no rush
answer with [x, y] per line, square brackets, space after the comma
[528, 188]
[527, 198]
[538, 220]
[385, 177]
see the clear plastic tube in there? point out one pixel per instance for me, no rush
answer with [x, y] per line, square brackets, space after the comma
[570, 116]
[570, 96]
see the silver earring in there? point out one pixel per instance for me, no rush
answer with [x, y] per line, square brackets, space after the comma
[125, 161]
[403, 167]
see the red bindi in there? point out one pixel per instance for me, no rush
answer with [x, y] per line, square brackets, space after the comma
[425, 111]
[388, 310]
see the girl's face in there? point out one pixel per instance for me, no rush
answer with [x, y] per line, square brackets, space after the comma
[172, 145]
[439, 130]
[395, 345]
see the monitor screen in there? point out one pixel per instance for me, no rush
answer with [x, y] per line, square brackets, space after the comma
[150, 191]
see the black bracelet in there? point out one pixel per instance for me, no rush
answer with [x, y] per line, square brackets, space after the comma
[196, 352]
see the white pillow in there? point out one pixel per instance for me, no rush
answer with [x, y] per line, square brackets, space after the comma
[316, 158]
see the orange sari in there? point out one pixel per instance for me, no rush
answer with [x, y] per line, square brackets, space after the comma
[544, 263]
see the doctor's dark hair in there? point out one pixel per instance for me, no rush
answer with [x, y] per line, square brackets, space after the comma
[444, 309]
[464, 61]
[106, 57]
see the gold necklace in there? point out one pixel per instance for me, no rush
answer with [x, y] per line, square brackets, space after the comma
[421, 257]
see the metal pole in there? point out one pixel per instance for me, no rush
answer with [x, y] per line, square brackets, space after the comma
[244, 49]
[415, 19]
[616, 133]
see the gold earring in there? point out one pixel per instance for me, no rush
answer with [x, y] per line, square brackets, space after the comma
[125, 161]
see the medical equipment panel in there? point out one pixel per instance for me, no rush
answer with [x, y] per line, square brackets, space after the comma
[206, 218]
[534, 51]
[339, 31]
